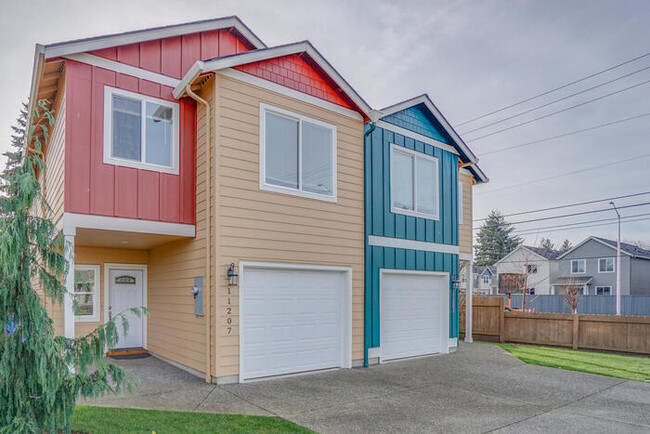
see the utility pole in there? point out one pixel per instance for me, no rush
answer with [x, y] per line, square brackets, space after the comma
[618, 261]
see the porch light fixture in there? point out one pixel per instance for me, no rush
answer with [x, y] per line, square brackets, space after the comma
[455, 282]
[232, 275]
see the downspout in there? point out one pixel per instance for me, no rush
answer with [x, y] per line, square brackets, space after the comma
[208, 220]
[367, 311]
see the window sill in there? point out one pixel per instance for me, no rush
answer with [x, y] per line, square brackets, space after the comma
[141, 166]
[86, 319]
[414, 214]
[300, 193]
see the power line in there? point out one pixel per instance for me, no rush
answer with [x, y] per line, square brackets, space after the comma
[555, 89]
[539, 219]
[559, 136]
[558, 111]
[516, 115]
[570, 205]
[587, 226]
[518, 231]
[587, 169]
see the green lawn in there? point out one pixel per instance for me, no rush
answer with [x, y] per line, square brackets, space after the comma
[119, 420]
[612, 365]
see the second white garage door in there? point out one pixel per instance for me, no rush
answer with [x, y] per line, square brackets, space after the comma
[293, 320]
[414, 314]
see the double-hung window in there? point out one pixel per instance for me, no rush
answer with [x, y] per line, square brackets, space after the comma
[297, 154]
[86, 293]
[140, 131]
[603, 290]
[414, 183]
[578, 266]
[606, 265]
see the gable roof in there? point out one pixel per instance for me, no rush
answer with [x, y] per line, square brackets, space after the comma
[221, 63]
[547, 254]
[491, 269]
[467, 156]
[626, 248]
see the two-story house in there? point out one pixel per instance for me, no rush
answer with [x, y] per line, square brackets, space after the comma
[220, 183]
[485, 279]
[534, 268]
[591, 265]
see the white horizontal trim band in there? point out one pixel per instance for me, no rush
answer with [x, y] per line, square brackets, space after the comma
[403, 131]
[465, 256]
[122, 68]
[400, 243]
[73, 221]
[274, 87]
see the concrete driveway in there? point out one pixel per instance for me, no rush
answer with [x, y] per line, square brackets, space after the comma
[479, 388]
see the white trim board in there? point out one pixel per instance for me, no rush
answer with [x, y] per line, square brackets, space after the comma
[419, 137]
[465, 256]
[400, 243]
[73, 221]
[122, 68]
[115, 40]
[286, 91]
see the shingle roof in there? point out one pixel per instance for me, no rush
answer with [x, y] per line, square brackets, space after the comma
[479, 269]
[568, 281]
[546, 253]
[630, 249]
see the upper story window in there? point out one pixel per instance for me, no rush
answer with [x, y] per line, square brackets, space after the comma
[606, 265]
[603, 290]
[297, 154]
[460, 203]
[486, 279]
[86, 293]
[531, 269]
[140, 131]
[578, 266]
[414, 183]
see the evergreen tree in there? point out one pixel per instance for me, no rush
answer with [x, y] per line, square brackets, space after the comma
[41, 375]
[494, 239]
[566, 246]
[546, 243]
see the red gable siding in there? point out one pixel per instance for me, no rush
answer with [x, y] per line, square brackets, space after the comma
[175, 56]
[295, 72]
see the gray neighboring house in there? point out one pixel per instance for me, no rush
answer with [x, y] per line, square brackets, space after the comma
[592, 265]
[485, 279]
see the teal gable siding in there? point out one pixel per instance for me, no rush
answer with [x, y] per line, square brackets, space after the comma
[380, 221]
[419, 120]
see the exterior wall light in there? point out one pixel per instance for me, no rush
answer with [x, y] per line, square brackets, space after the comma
[233, 277]
[455, 282]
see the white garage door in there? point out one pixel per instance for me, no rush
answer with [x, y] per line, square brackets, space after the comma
[292, 321]
[414, 312]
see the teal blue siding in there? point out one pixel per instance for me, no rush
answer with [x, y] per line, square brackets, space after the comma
[419, 120]
[380, 221]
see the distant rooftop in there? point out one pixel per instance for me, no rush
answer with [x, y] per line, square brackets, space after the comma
[630, 249]
[546, 253]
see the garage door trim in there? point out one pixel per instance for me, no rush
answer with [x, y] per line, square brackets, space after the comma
[440, 274]
[346, 326]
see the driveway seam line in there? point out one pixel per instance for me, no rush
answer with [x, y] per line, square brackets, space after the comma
[205, 397]
[251, 403]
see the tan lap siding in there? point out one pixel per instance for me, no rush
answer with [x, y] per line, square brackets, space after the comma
[55, 165]
[261, 226]
[465, 230]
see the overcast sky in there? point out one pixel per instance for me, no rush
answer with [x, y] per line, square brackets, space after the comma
[471, 57]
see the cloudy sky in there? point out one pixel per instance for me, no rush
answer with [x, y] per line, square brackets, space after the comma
[471, 57]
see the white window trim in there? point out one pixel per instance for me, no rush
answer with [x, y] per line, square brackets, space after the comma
[584, 262]
[264, 108]
[607, 286]
[413, 213]
[460, 202]
[108, 131]
[613, 269]
[96, 293]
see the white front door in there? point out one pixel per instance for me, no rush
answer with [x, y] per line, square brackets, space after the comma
[414, 312]
[125, 293]
[292, 321]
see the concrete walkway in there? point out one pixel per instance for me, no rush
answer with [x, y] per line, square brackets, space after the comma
[479, 388]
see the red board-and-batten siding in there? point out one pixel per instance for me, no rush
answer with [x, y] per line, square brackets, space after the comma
[93, 187]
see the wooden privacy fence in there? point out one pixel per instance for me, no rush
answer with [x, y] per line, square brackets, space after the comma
[630, 334]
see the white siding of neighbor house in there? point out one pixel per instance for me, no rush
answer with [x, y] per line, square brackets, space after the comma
[515, 263]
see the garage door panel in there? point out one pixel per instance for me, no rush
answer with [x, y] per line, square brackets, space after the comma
[292, 321]
[414, 312]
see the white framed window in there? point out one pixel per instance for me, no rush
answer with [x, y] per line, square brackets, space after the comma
[460, 203]
[531, 268]
[578, 266]
[414, 183]
[606, 265]
[140, 131]
[297, 154]
[603, 290]
[486, 279]
[86, 293]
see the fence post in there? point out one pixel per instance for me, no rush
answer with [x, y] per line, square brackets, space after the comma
[502, 321]
[576, 325]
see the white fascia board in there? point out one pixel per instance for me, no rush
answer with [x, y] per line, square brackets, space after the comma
[100, 42]
[270, 53]
[72, 222]
[424, 99]
[37, 69]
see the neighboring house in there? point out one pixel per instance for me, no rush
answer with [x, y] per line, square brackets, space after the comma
[592, 266]
[220, 183]
[532, 268]
[485, 279]
[414, 179]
